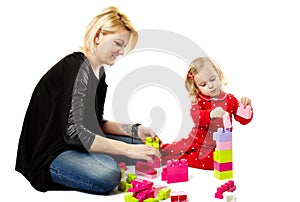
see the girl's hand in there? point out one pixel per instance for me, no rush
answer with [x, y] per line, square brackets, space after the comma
[217, 112]
[245, 101]
[141, 151]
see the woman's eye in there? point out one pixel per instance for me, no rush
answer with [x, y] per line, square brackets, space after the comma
[118, 43]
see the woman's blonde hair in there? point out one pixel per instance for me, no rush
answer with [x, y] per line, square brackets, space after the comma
[195, 67]
[109, 21]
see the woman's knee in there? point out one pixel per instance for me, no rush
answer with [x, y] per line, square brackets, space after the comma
[108, 176]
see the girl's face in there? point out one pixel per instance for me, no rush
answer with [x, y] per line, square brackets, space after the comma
[111, 46]
[208, 82]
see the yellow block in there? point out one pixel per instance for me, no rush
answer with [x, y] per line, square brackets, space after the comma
[223, 175]
[223, 156]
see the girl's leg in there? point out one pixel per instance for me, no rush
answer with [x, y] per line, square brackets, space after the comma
[94, 173]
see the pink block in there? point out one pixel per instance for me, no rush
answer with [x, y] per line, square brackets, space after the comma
[226, 121]
[228, 186]
[222, 166]
[123, 165]
[244, 111]
[145, 170]
[224, 145]
[156, 162]
[175, 171]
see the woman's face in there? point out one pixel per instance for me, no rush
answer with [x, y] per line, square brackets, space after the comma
[111, 46]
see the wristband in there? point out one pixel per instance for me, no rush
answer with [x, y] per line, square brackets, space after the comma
[134, 130]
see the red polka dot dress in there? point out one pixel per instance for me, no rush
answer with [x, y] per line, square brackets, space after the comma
[199, 146]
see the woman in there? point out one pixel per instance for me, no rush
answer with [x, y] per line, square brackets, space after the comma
[65, 143]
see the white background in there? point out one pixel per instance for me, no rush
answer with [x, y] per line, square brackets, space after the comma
[256, 43]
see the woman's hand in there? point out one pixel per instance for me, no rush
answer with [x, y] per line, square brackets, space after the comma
[141, 151]
[246, 101]
[144, 132]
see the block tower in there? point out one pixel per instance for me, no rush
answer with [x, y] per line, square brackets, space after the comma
[223, 154]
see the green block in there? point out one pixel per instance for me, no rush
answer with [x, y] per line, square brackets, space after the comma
[151, 200]
[223, 175]
[130, 177]
[223, 156]
[164, 193]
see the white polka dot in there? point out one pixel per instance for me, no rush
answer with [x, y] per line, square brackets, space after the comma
[208, 156]
[225, 103]
[203, 102]
[172, 150]
[202, 165]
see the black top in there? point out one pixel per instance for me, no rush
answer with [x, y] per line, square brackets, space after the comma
[65, 113]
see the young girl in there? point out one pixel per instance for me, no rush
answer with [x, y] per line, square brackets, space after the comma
[204, 82]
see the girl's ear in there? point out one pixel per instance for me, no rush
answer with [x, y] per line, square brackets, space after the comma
[98, 37]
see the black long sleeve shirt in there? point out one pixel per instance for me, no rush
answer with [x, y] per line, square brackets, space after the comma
[65, 112]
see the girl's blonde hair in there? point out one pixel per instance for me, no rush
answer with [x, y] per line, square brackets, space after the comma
[109, 21]
[195, 67]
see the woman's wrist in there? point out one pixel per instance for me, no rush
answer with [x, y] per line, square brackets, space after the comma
[134, 130]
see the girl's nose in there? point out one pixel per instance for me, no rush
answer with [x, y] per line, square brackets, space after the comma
[210, 85]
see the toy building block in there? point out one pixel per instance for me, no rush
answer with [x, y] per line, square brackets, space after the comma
[229, 196]
[145, 170]
[226, 121]
[156, 162]
[164, 193]
[180, 196]
[223, 175]
[153, 142]
[222, 166]
[130, 198]
[228, 186]
[223, 156]
[224, 145]
[151, 200]
[142, 189]
[157, 188]
[130, 177]
[175, 171]
[124, 186]
[222, 135]
[123, 166]
[244, 111]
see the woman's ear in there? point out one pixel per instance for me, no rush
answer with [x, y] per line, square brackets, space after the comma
[98, 37]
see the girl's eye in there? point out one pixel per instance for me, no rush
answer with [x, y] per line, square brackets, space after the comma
[213, 78]
[202, 84]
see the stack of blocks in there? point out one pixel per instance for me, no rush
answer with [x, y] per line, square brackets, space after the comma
[223, 154]
[154, 142]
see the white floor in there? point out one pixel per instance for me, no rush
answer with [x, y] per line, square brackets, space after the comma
[201, 187]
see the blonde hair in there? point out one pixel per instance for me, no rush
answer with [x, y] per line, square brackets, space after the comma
[195, 67]
[109, 21]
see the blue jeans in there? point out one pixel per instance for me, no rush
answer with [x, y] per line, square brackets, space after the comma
[90, 172]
